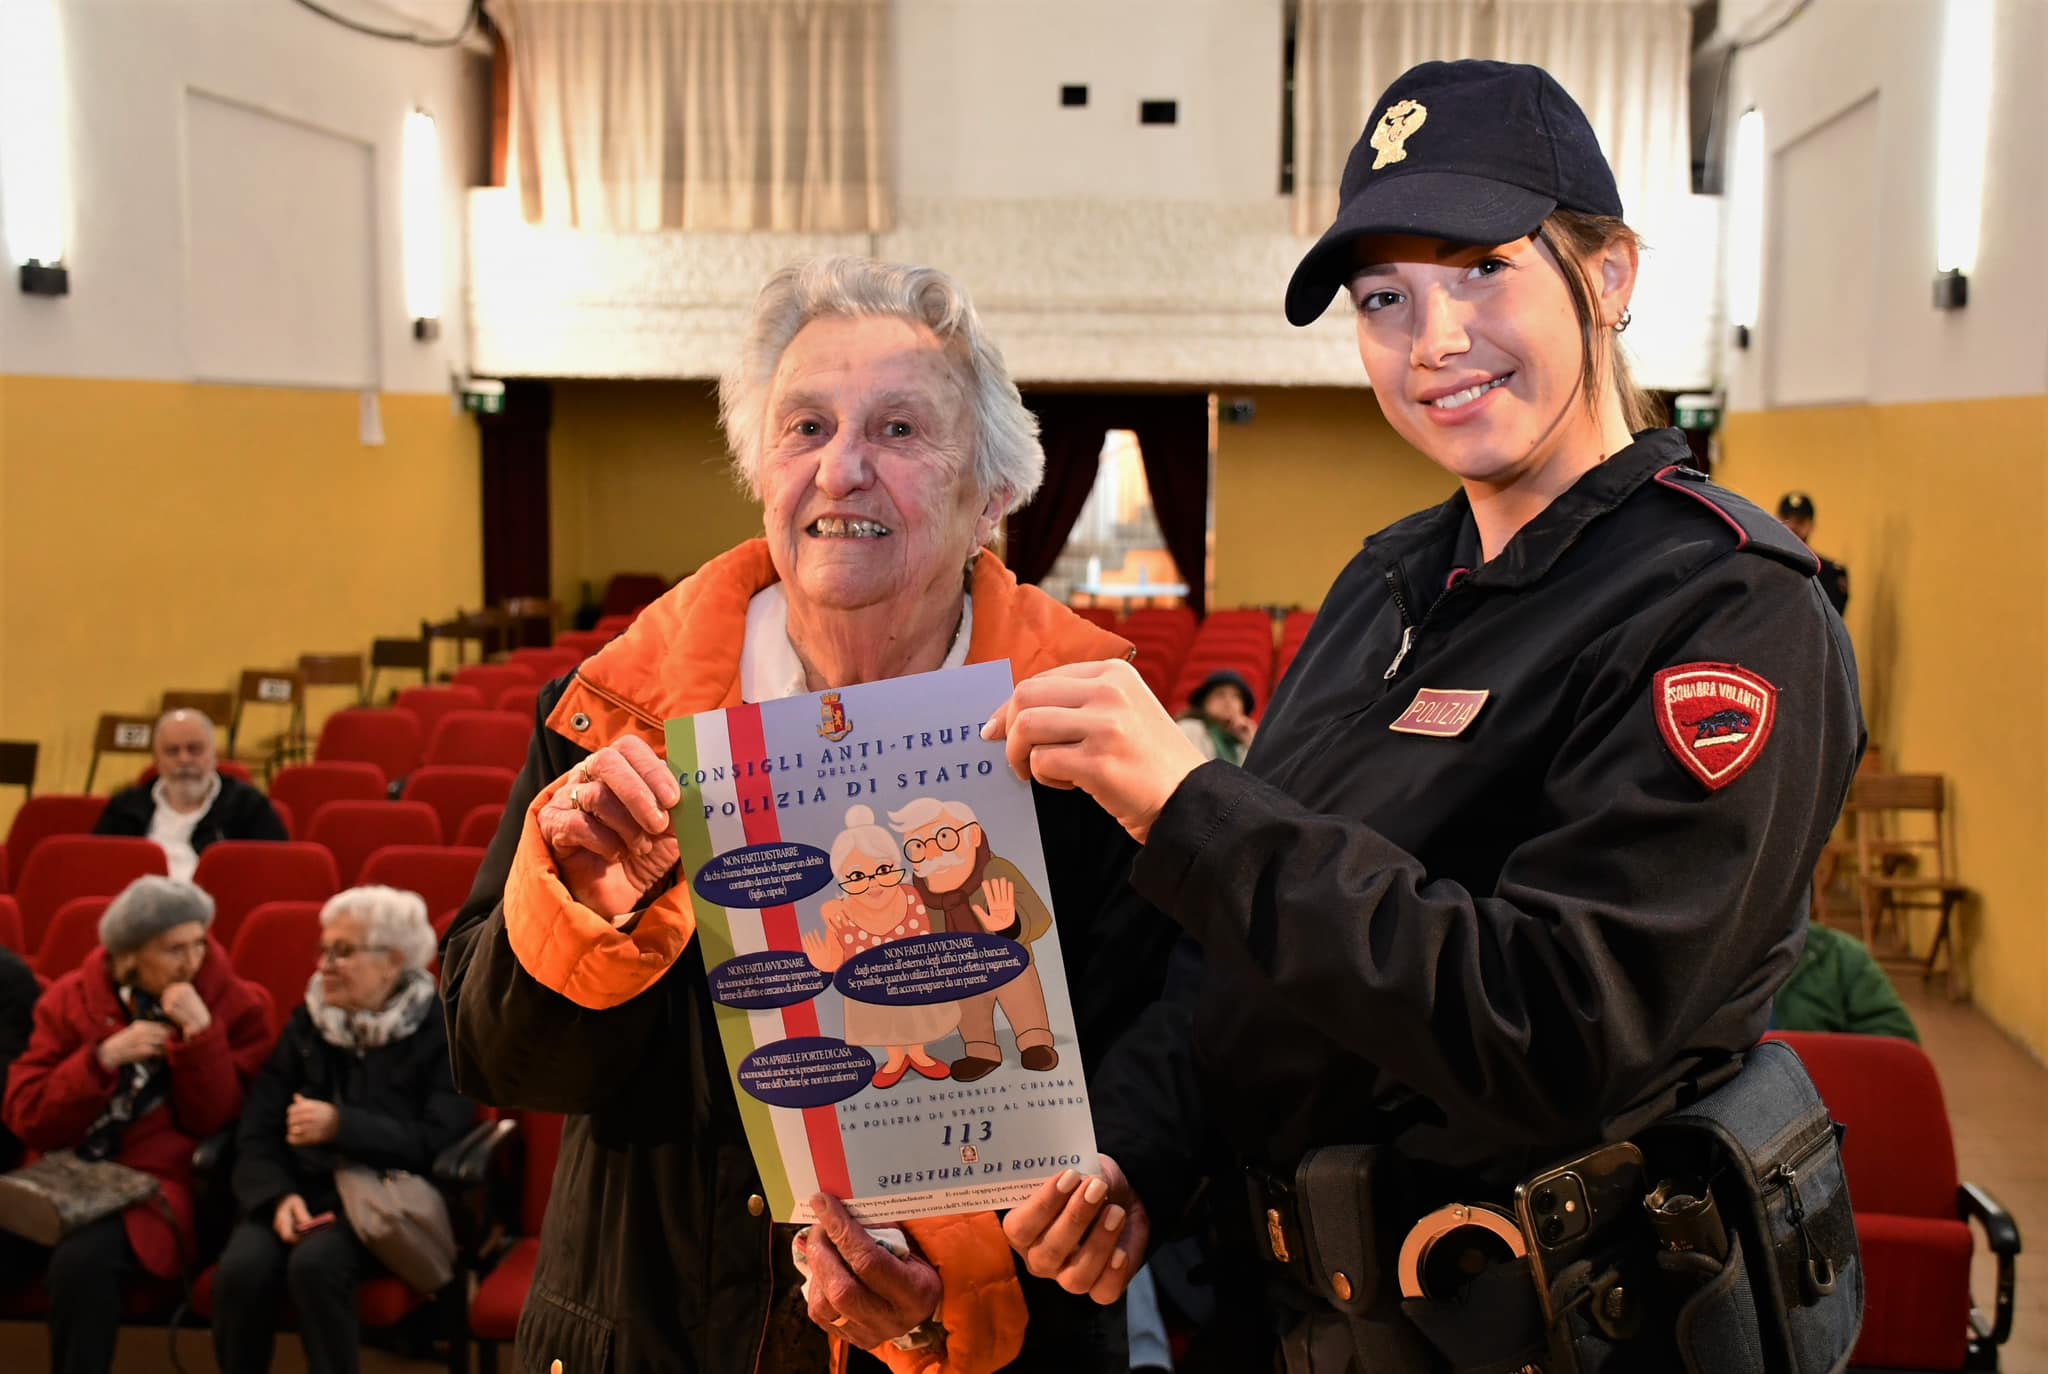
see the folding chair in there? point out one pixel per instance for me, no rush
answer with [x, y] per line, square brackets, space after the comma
[454, 790]
[306, 787]
[386, 738]
[18, 765]
[407, 655]
[497, 739]
[241, 875]
[67, 866]
[1902, 861]
[278, 947]
[354, 830]
[335, 670]
[218, 707]
[120, 734]
[273, 687]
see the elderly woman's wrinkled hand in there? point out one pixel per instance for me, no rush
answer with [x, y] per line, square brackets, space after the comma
[1097, 726]
[1088, 1235]
[859, 1291]
[183, 1004]
[309, 1121]
[608, 826]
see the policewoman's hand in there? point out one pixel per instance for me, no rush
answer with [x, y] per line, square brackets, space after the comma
[1087, 1234]
[1097, 726]
[608, 826]
[859, 1291]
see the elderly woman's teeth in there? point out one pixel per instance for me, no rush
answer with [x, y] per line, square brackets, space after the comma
[848, 529]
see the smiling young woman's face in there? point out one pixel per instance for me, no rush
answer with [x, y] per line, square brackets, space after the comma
[1474, 352]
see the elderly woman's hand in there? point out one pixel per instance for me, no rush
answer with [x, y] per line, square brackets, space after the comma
[183, 1004]
[608, 828]
[1097, 726]
[1066, 1233]
[859, 1291]
[309, 1121]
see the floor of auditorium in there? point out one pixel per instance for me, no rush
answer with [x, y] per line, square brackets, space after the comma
[1997, 1100]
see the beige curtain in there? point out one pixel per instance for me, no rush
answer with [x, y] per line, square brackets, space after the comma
[1627, 63]
[700, 114]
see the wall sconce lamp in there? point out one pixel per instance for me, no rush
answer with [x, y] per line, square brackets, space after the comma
[1965, 130]
[1746, 226]
[422, 209]
[34, 196]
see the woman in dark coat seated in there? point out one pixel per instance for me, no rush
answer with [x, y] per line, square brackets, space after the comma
[360, 1077]
[138, 1054]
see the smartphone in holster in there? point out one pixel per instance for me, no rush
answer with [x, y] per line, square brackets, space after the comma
[1584, 1209]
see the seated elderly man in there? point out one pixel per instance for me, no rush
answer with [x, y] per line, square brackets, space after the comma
[190, 804]
[874, 420]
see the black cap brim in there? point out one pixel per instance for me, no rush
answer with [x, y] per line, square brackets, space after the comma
[1455, 206]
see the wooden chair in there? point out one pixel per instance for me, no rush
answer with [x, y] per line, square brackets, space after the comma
[280, 687]
[1902, 858]
[489, 628]
[334, 670]
[18, 764]
[218, 707]
[410, 655]
[523, 614]
[120, 734]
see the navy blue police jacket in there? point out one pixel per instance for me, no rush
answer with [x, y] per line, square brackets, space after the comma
[1491, 936]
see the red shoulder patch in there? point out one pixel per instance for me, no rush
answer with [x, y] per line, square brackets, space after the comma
[1715, 718]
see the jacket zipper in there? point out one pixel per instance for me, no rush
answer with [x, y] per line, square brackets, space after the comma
[1816, 1270]
[1395, 589]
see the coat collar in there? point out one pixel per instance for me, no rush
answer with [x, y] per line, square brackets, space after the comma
[682, 654]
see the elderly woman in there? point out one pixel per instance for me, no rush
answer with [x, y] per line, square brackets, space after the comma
[360, 1077]
[138, 1054]
[874, 420]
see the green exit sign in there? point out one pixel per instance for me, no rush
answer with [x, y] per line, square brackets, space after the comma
[482, 396]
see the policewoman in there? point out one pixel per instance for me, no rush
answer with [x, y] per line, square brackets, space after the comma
[1522, 849]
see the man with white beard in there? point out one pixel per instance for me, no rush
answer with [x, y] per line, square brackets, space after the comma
[959, 876]
[191, 804]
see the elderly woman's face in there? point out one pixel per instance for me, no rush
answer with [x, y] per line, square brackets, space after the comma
[867, 465]
[170, 958]
[354, 974]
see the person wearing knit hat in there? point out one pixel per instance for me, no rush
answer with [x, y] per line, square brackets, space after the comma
[1219, 720]
[138, 1054]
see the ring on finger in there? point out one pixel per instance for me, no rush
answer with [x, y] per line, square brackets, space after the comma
[583, 771]
[576, 798]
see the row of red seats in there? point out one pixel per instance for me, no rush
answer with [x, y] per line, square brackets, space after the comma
[54, 920]
[1176, 652]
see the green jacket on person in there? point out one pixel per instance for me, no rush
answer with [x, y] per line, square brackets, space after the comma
[1838, 986]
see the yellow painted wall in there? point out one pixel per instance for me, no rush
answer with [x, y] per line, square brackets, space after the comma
[1300, 487]
[166, 535]
[639, 482]
[1938, 512]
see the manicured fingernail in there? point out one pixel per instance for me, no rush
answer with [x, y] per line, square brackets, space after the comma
[1097, 1190]
[1113, 1218]
[988, 731]
[1116, 1261]
[1067, 1180]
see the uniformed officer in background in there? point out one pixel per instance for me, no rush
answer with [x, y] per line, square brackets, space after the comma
[1795, 508]
[1522, 849]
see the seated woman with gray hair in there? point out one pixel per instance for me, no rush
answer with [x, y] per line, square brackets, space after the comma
[360, 1076]
[873, 418]
[138, 1054]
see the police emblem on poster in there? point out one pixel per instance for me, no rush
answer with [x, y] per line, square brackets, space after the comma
[876, 923]
[1715, 718]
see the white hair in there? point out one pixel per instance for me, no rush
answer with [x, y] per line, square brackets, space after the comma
[392, 920]
[1007, 455]
[925, 810]
[863, 834]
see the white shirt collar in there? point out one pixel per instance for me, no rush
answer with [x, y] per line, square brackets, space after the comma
[769, 666]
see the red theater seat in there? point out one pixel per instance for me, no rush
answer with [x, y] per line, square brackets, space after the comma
[546, 664]
[522, 701]
[442, 875]
[241, 875]
[44, 816]
[494, 739]
[306, 787]
[10, 925]
[454, 791]
[74, 933]
[278, 947]
[1912, 1216]
[354, 830]
[67, 866]
[428, 704]
[494, 1311]
[489, 679]
[480, 827]
[389, 739]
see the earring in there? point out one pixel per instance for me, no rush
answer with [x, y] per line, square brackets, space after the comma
[1627, 318]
